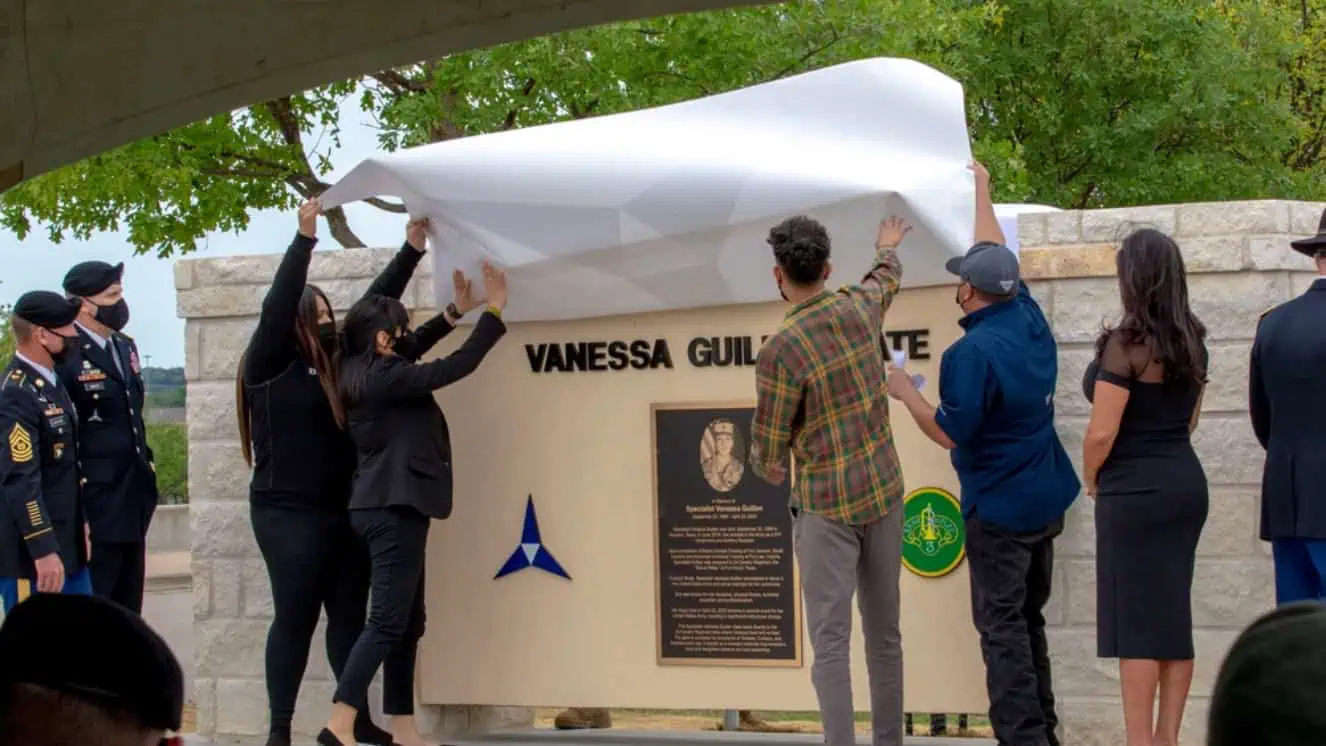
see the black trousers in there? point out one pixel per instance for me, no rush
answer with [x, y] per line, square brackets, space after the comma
[117, 570]
[314, 561]
[1010, 584]
[396, 539]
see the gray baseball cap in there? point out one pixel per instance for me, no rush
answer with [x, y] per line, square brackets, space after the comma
[989, 267]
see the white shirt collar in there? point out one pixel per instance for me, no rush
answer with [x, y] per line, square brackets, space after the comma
[45, 372]
[100, 340]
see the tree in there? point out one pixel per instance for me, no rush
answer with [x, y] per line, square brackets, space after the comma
[6, 336]
[1090, 103]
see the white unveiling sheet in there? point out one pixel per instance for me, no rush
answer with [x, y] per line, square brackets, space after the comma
[669, 208]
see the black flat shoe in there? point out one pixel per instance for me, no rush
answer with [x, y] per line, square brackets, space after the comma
[327, 738]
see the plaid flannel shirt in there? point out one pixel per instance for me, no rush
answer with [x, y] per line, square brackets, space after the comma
[821, 396]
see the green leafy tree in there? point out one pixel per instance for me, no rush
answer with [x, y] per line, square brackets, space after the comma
[1091, 103]
[6, 336]
[170, 448]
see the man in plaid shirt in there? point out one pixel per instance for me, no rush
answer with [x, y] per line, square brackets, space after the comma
[820, 382]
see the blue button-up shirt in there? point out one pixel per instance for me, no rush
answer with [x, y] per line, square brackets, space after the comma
[996, 391]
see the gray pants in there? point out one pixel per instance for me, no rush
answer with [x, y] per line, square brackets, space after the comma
[837, 561]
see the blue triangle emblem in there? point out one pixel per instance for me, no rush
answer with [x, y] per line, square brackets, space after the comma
[530, 552]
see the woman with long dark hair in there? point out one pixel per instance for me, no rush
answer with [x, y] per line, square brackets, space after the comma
[1150, 490]
[291, 424]
[402, 482]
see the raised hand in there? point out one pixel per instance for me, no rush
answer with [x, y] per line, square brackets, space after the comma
[308, 217]
[891, 232]
[494, 285]
[464, 292]
[416, 234]
[982, 175]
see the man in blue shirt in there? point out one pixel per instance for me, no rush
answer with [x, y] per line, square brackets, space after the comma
[996, 415]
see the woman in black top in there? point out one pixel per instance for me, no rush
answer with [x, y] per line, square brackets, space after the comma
[291, 417]
[1151, 496]
[402, 481]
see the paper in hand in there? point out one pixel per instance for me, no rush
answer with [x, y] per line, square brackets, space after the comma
[900, 361]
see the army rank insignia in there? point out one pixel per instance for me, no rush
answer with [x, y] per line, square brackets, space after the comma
[20, 445]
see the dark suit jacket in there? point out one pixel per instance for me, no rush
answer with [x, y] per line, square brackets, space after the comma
[1287, 401]
[401, 438]
[120, 490]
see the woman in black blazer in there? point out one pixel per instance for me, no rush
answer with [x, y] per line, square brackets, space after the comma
[402, 482]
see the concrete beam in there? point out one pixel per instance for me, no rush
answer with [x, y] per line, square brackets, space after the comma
[79, 77]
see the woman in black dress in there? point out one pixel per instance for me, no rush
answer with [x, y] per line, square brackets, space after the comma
[291, 423]
[402, 482]
[1150, 491]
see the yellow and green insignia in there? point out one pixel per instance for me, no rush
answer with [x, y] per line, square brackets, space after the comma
[16, 376]
[20, 445]
[934, 537]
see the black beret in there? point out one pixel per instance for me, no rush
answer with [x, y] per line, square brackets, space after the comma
[46, 309]
[1270, 686]
[89, 278]
[92, 649]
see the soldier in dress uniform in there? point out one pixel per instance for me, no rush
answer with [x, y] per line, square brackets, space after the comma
[104, 378]
[43, 544]
[1287, 401]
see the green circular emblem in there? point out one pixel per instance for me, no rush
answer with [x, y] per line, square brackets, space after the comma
[934, 540]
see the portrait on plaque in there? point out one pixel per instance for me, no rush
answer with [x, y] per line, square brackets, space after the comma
[721, 455]
[725, 577]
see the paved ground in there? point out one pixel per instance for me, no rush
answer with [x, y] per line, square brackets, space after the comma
[652, 738]
[170, 612]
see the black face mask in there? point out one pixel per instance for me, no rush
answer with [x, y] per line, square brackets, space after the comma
[59, 356]
[115, 316]
[327, 336]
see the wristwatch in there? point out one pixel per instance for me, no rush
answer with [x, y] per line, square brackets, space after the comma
[453, 313]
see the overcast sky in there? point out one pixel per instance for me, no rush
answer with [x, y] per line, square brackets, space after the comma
[38, 264]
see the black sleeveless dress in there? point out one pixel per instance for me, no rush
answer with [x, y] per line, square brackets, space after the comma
[1151, 505]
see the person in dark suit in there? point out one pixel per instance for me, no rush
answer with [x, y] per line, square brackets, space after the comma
[402, 482]
[292, 429]
[1287, 401]
[104, 377]
[43, 543]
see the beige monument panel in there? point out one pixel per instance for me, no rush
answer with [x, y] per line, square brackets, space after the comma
[580, 444]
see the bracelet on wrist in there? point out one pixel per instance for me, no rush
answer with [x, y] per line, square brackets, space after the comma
[453, 312]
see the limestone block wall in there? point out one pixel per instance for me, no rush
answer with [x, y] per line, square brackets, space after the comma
[220, 299]
[1239, 264]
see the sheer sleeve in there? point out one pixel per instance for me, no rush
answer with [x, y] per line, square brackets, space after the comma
[1117, 364]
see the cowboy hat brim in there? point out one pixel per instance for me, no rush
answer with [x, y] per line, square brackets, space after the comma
[1309, 246]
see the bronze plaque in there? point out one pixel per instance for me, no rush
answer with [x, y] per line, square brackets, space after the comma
[726, 580]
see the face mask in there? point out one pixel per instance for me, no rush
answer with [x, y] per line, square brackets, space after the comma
[327, 335]
[58, 355]
[115, 316]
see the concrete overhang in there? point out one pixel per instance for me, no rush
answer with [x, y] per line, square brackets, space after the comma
[80, 77]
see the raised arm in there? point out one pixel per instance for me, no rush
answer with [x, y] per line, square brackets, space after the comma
[396, 380]
[778, 398]
[878, 288]
[417, 343]
[987, 224]
[272, 346]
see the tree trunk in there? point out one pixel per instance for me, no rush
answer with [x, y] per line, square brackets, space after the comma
[340, 229]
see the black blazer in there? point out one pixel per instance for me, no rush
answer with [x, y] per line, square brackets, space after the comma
[401, 438]
[120, 483]
[1287, 401]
